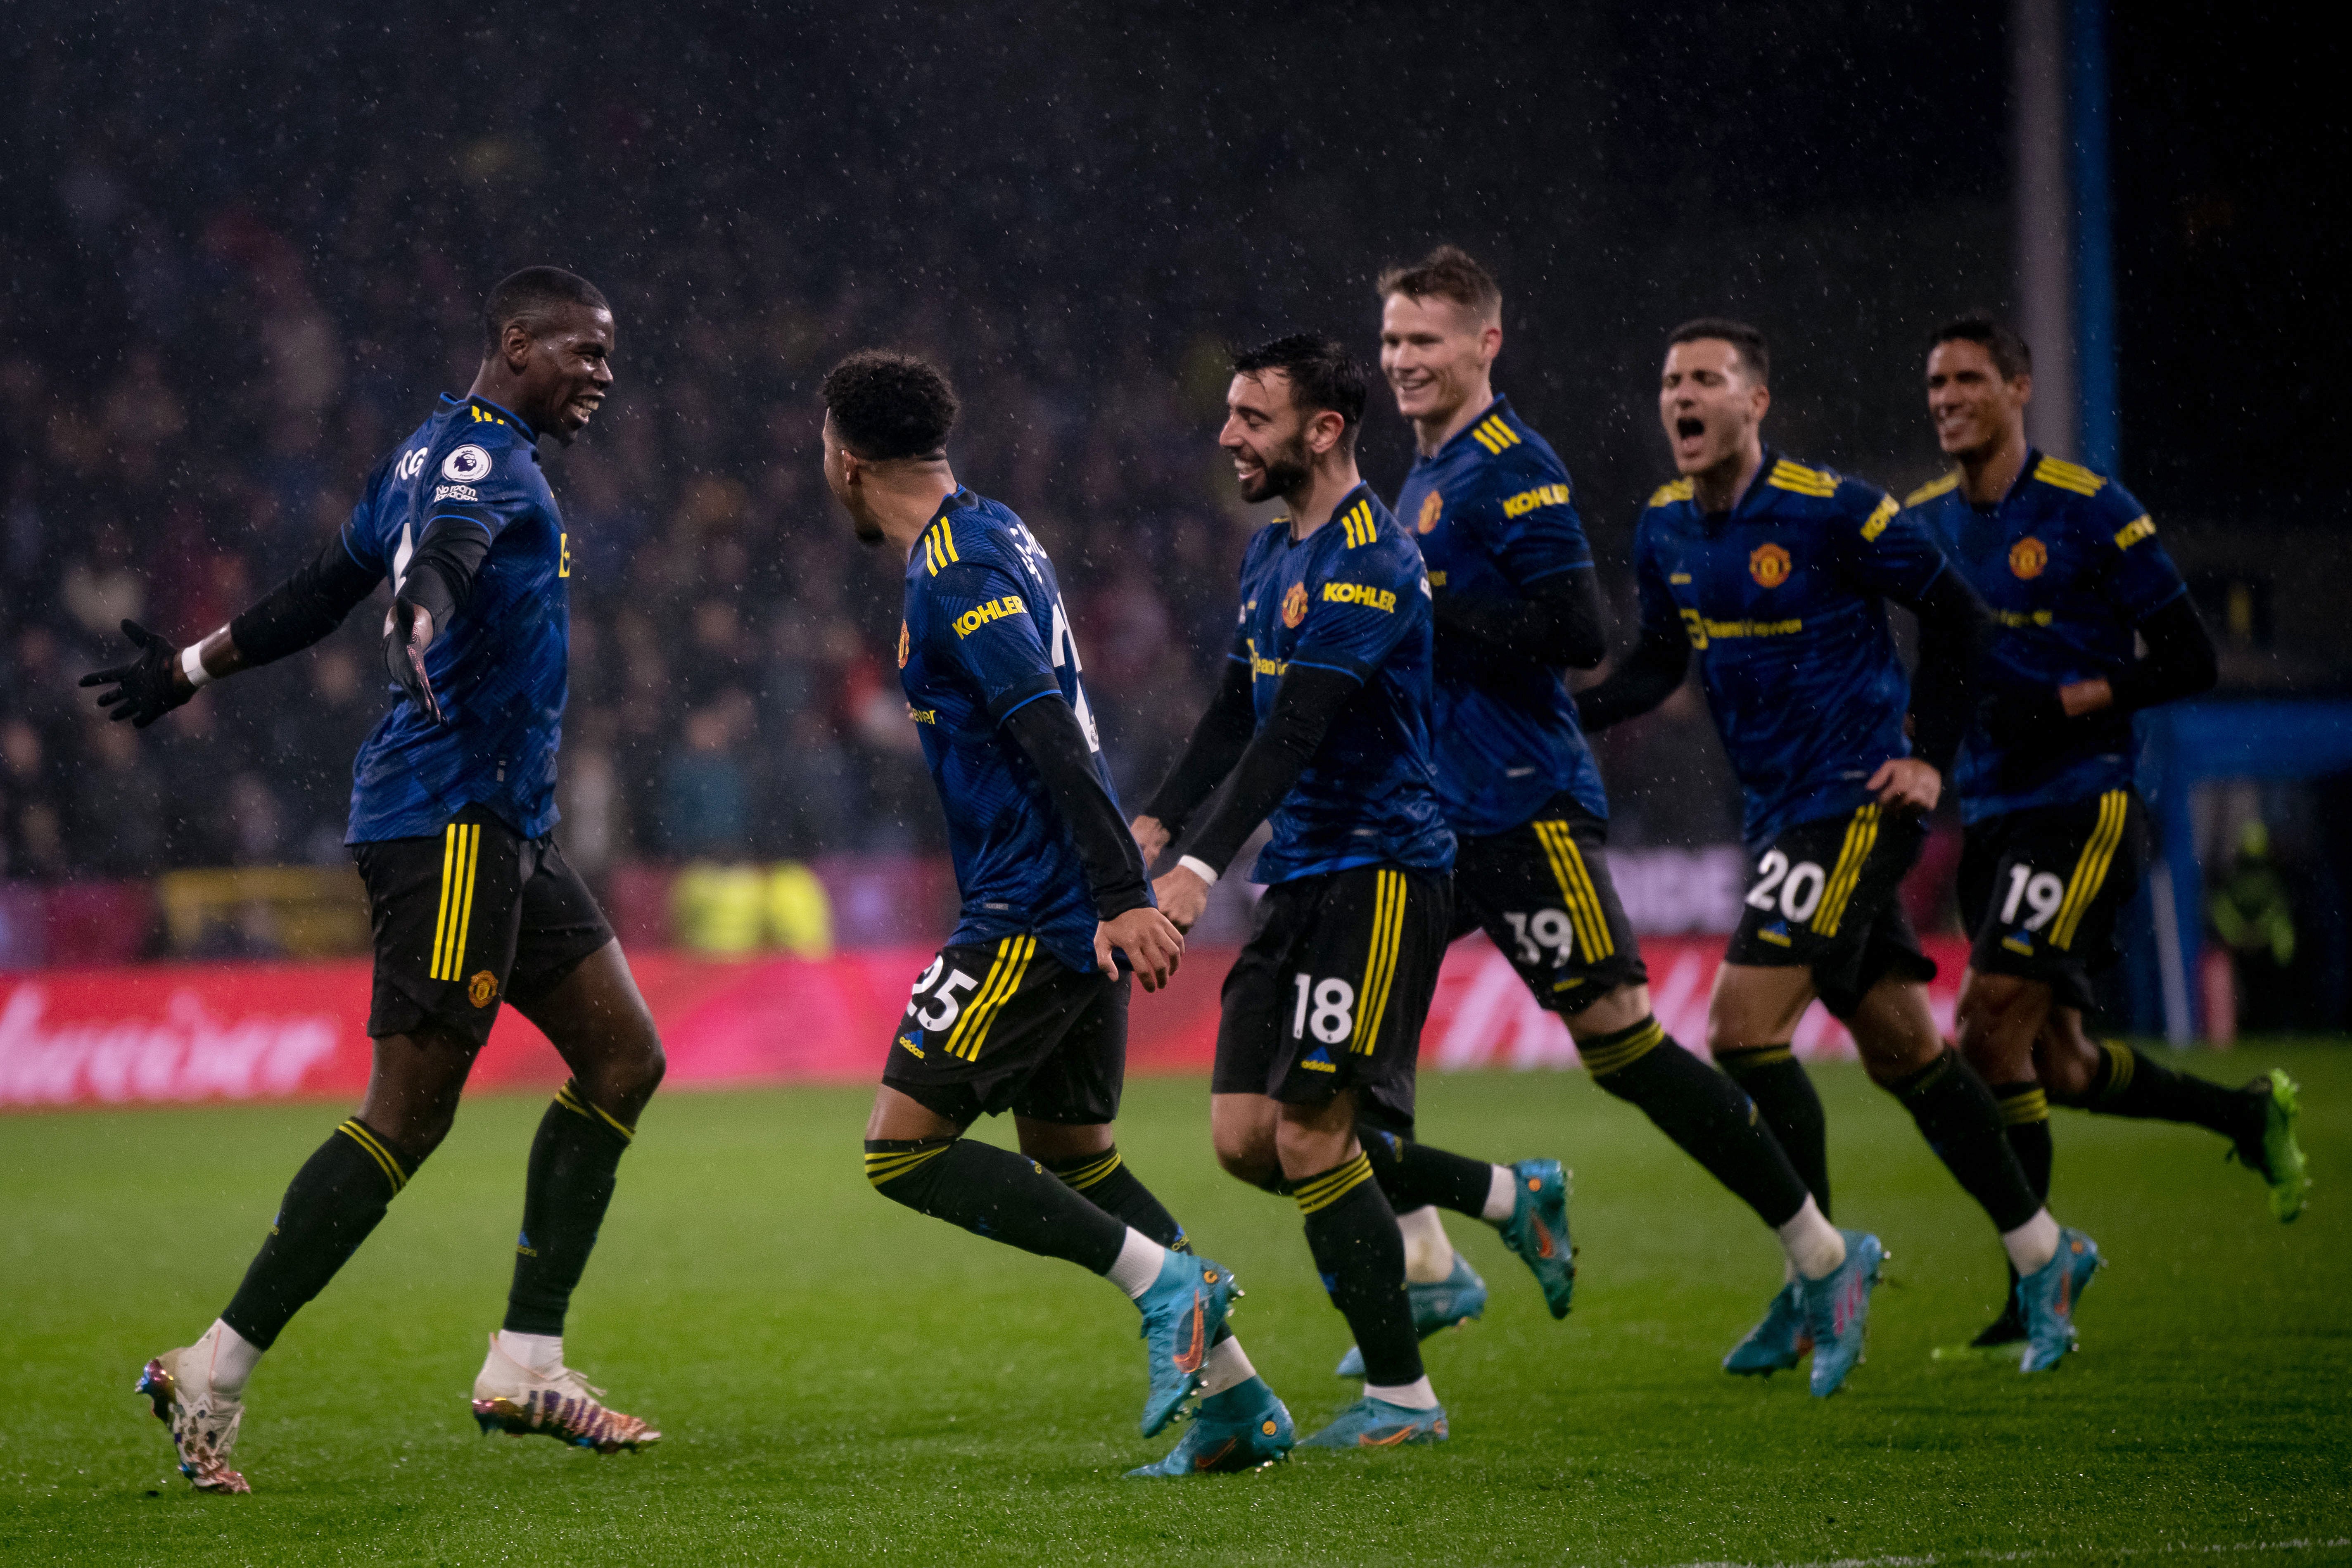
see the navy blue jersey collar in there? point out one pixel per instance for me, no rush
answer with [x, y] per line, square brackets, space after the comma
[530, 435]
[1500, 404]
[1364, 488]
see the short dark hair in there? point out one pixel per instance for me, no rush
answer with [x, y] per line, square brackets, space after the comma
[1754, 352]
[2010, 354]
[1449, 272]
[527, 296]
[887, 405]
[1323, 375]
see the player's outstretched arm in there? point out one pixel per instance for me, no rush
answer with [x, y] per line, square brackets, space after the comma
[1647, 678]
[1304, 706]
[1559, 623]
[1217, 743]
[290, 619]
[1048, 733]
[438, 581]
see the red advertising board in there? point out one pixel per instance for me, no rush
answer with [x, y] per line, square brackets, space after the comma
[159, 1033]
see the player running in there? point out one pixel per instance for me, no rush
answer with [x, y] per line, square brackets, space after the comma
[1516, 601]
[1322, 721]
[2070, 565]
[1776, 573]
[1024, 1009]
[453, 807]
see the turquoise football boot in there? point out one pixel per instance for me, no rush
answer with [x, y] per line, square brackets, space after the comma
[1243, 1428]
[1778, 1342]
[2274, 1155]
[1538, 1230]
[1438, 1304]
[1376, 1424]
[1837, 1311]
[2049, 1295]
[1182, 1313]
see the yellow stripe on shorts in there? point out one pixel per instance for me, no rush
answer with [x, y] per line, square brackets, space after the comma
[1379, 963]
[1576, 889]
[461, 855]
[1861, 837]
[2091, 871]
[970, 1031]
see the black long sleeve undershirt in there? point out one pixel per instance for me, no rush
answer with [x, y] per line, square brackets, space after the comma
[1048, 732]
[1218, 741]
[1953, 630]
[1557, 624]
[440, 576]
[303, 608]
[2180, 659]
[1647, 678]
[1268, 764]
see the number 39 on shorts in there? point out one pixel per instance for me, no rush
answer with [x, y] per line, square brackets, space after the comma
[1798, 887]
[946, 1000]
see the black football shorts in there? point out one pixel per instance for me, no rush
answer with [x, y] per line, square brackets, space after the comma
[2041, 889]
[1822, 895]
[1006, 1025]
[1331, 990]
[471, 917]
[1541, 892]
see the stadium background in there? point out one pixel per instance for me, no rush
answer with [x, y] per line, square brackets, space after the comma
[245, 249]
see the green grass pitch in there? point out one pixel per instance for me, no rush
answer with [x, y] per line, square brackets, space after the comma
[841, 1381]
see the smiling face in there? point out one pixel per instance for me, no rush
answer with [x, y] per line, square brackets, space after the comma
[1436, 353]
[1974, 410]
[1270, 437]
[565, 367]
[1710, 404]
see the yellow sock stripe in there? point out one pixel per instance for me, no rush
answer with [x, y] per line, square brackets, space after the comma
[2020, 1110]
[2091, 871]
[580, 1105]
[1379, 964]
[885, 1168]
[1861, 836]
[1615, 1057]
[1575, 889]
[970, 1032]
[1332, 1185]
[2120, 1068]
[384, 1158]
[1085, 1176]
[1755, 1055]
[471, 850]
[441, 921]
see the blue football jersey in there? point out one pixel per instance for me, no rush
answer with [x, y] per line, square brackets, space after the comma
[2068, 564]
[1353, 597]
[1784, 599]
[1495, 513]
[984, 634]
[500, 668]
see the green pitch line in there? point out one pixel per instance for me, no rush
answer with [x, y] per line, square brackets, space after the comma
[841, 1381]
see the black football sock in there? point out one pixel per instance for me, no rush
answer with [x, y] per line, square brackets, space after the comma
[1106, 1180]
[2130, 1083]
[1358, 1250]
[1415, 1176]
[997, 1194]
[1961, 1122]
[2025, 1111]
[1783, 1092]
[336, 1199]
[1706, 1115]
[564, 1196]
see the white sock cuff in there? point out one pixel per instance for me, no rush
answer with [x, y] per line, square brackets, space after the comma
[539, 1352]
[230, 1359]
[1502, 1199]
[1227, 1367]
[1137, 1264]
[2032, 1245]
[1812, 1243]
[1428, 1250]
[1417, 1395]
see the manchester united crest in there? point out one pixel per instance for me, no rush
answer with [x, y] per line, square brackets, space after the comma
[1768, 564]
[1433, 506]
[1293, 605]
[2028, 556]
[482, 988]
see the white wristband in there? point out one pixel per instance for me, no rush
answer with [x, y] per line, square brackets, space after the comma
[1198, 868]
[191, 665]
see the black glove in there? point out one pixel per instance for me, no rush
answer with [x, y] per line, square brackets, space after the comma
[404, 659]
[146, 690]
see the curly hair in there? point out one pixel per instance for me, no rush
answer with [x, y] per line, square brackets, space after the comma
[1323, 375]
[887, 405]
